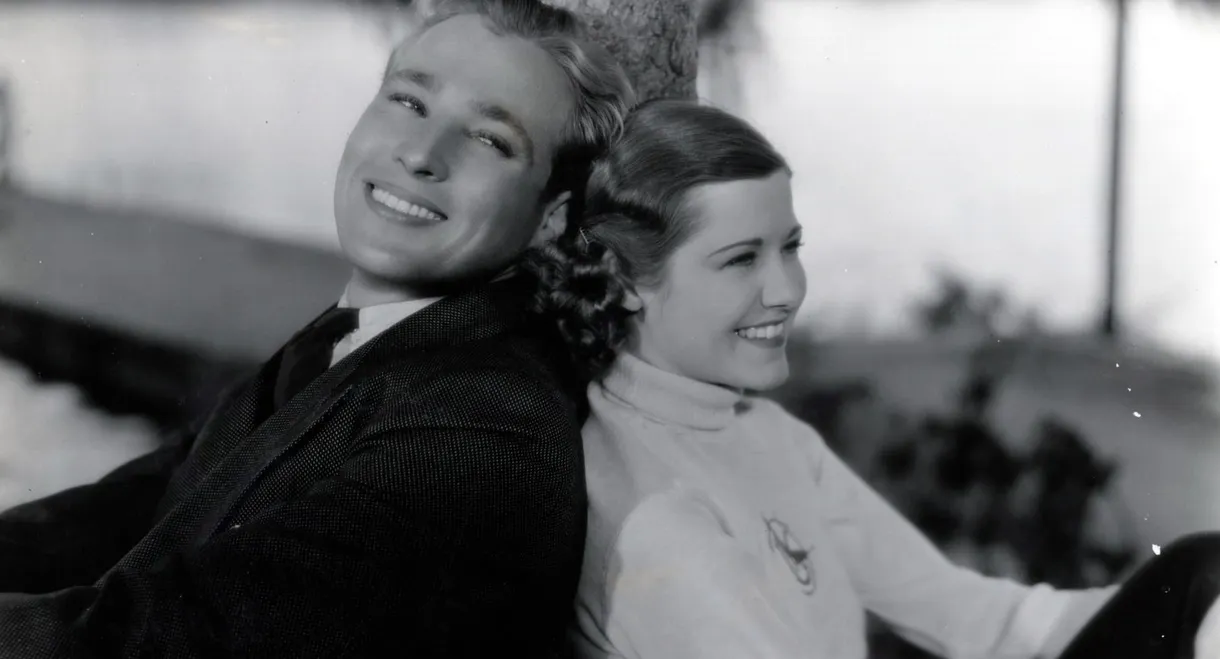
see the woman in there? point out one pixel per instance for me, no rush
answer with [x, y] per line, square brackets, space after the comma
[720, 525]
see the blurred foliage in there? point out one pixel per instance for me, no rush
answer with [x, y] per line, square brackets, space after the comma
[960, 307]
[1022, 514]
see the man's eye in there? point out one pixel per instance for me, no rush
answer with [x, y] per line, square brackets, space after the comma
[411, 103]
[496, 143]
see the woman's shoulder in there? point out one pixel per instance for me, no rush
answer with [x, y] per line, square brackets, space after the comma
[628, 463]
[628, 456]
[661, 525]
[677, 513]
[767, 415]
[650, 538]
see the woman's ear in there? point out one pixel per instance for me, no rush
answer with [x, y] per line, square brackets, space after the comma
[554, 220]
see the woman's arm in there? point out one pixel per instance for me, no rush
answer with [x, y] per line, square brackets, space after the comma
[902, 577]
[678, 588]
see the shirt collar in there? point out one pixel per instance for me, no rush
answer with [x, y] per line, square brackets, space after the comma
[377, 318]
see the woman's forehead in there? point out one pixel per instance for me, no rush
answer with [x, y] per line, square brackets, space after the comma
[741, 210]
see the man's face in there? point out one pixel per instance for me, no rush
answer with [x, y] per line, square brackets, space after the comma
[442, 178]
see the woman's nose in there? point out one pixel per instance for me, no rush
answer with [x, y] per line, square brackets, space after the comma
[784, 285]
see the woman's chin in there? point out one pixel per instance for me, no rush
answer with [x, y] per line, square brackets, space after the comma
[764, 378]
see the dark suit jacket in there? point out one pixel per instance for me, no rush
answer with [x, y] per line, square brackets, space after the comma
[423, 498]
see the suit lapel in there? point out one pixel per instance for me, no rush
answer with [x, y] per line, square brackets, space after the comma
[237, 415]
[484, 312]
[275, 438]
[241, 413]
[254, 445]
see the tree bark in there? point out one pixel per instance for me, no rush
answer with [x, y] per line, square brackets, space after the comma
[654, 40]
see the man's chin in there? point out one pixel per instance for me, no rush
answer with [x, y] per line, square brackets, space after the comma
[422, 282]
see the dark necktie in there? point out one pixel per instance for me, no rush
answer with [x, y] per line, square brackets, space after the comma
[309, 354]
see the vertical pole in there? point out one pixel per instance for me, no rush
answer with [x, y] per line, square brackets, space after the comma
[1109, 321]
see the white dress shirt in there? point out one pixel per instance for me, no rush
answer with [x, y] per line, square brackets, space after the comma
[374, 320]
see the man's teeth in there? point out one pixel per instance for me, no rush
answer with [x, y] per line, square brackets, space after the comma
[762, 332]
[404, 207]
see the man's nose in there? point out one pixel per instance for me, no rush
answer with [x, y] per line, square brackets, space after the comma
[422, 155]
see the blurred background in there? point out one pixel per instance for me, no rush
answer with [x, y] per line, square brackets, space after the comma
[1013, 319]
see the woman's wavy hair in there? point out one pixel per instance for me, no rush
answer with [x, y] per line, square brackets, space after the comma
[633, 214]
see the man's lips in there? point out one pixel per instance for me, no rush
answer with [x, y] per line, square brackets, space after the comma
[403, 201]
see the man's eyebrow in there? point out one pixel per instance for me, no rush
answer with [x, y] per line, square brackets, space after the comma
[501, 115]
[415, 76]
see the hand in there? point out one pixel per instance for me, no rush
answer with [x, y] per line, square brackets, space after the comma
[1207, 639]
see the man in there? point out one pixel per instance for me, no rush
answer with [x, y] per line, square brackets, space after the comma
[424, 495]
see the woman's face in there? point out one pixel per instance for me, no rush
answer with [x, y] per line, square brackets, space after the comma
[725, 305]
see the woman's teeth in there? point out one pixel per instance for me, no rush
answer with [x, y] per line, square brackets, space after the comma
[762, 332]
[402, 206]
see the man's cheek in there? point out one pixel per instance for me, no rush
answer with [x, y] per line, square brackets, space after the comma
[365, 138]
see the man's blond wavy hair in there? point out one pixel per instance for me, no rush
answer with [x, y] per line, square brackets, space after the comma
[602, 92]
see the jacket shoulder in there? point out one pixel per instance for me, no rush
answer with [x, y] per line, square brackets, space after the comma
[508, 382]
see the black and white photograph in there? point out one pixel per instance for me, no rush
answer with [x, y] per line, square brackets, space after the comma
[610, 329]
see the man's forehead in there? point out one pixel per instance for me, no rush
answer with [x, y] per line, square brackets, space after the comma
[400, 57]
[440, 39]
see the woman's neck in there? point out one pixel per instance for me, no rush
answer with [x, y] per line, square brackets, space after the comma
[633, 348]
[671, 397]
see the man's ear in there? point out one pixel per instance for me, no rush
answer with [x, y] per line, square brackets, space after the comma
[554, 220]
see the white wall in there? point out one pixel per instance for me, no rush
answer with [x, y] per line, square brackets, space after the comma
[233, 111]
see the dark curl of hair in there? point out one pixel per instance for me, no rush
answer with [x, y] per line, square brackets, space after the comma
[581, 289]
[634, 214]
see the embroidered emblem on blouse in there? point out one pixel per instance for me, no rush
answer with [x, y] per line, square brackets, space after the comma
[797, 557]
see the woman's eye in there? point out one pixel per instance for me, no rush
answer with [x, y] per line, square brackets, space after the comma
[741, 260]
[411, 103]
[794, 246]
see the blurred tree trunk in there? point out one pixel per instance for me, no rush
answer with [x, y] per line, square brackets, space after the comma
[655, 40]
